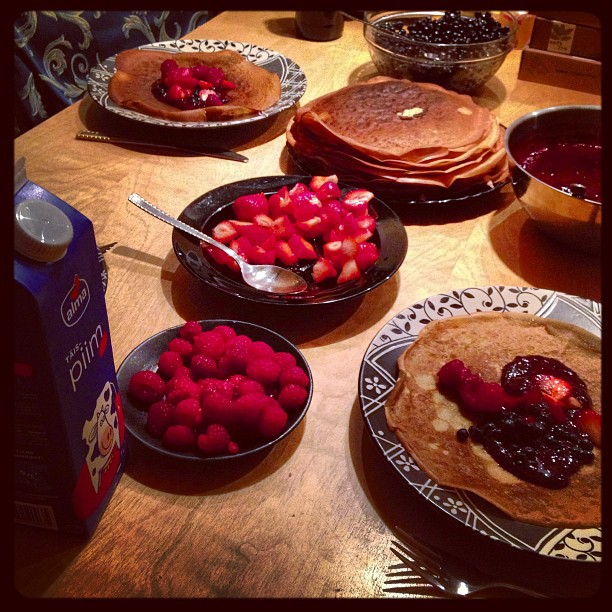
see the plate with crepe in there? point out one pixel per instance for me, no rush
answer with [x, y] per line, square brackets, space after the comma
[285, 82]
[398, 373]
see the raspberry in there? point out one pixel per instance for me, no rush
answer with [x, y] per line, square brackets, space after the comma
[182, 372]
[159, 417]
[263, 370]
[248, 385]
[189, 330]
[294, 375]
[188, 412]
[260, 349]
[453, 373]
[146, 386]
[216, 385]
[218, 408]
[226, 331]
[233, 448]
[272, 421]
[183, 347]
[236, 355]
[284, 360]
[167, 364]
[183, 388]
[179, 437]
[292, 396]
[215, 441]
[203, 366]
[250, 406]
[209, 343]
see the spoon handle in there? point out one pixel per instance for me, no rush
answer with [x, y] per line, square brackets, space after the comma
[163, 216]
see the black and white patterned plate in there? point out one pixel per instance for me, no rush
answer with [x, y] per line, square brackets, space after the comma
[293, 80]
[377, 378]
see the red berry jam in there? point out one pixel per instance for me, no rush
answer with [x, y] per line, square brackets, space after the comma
[528, 423]
[192, 87]
[573, 167]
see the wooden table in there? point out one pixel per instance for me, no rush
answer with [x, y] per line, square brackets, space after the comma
[314, 517]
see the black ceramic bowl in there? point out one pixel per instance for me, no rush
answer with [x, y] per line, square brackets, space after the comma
[145, 357]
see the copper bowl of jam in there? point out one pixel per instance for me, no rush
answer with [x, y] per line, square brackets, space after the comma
[555, 158]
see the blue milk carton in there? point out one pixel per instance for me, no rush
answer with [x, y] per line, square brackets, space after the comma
[69, 436]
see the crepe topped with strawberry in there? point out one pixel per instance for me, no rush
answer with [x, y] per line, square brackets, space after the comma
[192, 86]
[508, 406]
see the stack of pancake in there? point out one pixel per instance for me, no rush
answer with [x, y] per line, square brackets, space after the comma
[416, 141]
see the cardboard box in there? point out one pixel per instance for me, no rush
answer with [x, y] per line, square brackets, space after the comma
[569, 71]
[576, 17]
[567, 38]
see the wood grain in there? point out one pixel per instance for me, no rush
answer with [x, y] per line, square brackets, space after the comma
[313, 517]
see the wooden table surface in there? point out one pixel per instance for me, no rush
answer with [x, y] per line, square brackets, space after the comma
[314, 517]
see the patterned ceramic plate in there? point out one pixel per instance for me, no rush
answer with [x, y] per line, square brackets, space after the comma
[293, 80]
[378, 375]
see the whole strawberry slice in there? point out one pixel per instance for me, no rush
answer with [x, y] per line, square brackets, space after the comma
[590, 422]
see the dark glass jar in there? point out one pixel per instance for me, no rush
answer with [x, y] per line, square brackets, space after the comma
[319, 25]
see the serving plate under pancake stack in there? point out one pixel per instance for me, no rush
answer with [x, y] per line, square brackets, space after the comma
[407, 142]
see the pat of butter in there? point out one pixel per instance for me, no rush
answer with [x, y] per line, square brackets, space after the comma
[410, 113]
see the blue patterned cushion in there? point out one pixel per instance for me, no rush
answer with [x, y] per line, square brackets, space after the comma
[55, 50]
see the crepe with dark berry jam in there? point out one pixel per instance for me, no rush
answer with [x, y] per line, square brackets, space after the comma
[192, 86]
[508, 406]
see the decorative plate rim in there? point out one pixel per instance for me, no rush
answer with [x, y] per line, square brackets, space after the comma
[378, 374]
[293, 80]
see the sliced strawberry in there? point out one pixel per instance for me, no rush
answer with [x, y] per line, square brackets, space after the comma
[590, 422]
[224, 232]
[259, 236]
[247, 206]
[263, 220]
[316, 182]
[367, 255]
[298, 188]
[310, 228]
[240, 225]
[557, 388]
[328, 190]
[322, 270]
[280, 203]
[356, 201]
[221, 257]
[349, 248]
[350, 271]
[305, 206]
[242, 246]
[332, 251]
[283, 227]
[261, 255]
[301, 247]
[285, 253]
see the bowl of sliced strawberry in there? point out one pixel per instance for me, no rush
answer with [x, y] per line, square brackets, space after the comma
[340, 238]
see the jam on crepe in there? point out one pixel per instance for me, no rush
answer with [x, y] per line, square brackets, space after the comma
[538, 423]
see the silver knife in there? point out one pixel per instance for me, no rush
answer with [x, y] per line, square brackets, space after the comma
[208, 151]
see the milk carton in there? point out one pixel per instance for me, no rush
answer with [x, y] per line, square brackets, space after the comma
[69, 441]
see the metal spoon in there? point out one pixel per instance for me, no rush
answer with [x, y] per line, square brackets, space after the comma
[272, 279]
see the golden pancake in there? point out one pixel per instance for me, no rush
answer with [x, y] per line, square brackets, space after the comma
[138, 69]
[368, 117]
[425, 421]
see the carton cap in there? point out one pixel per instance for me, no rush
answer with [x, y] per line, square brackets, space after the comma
[42, 231]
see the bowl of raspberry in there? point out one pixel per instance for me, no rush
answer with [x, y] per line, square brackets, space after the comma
[214, 390]
[458, 50]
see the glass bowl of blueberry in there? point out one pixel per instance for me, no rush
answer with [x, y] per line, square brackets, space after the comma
[459, 50]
